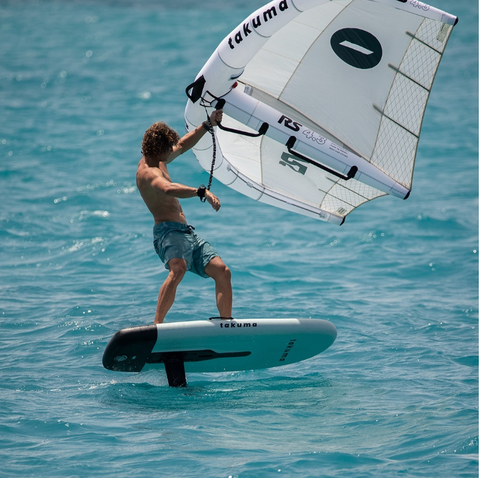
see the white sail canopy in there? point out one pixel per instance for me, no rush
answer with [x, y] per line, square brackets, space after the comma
[356, 74]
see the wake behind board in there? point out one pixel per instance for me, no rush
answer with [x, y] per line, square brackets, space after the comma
[216, 345]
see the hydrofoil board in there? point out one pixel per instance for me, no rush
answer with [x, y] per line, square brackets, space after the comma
[216, 345]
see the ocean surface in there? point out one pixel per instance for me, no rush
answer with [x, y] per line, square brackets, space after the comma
[395, 395]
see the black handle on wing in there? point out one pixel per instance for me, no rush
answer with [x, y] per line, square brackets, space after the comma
[263, 129]
[291, 142]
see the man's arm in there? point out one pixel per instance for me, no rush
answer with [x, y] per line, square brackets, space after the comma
[181, 191]
[193, 137]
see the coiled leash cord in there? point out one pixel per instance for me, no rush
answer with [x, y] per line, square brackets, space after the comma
[208, 126]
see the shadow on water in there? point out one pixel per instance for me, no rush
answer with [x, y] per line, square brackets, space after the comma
[259, 390]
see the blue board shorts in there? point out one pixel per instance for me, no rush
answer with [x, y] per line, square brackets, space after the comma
[175, 240]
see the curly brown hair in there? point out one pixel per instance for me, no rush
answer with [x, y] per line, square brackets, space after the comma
[158, 140]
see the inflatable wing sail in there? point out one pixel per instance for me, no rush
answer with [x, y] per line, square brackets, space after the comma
[323, 101]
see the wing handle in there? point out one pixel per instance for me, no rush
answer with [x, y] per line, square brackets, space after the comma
[291, 142]
[263, 129]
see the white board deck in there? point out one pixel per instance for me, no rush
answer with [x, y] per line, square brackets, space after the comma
[217, 345]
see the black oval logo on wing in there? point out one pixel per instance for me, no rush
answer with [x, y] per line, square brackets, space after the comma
[357, 48]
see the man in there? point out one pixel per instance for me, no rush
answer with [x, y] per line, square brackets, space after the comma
[177, 245]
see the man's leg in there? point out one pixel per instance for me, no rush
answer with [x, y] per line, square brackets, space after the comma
[220, 273]
[166, 296]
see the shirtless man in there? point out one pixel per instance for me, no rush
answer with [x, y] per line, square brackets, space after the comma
[177, 245]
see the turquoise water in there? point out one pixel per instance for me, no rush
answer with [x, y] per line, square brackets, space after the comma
[396, 394]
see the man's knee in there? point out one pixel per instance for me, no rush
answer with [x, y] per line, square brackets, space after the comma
[178, 268]
[226, 273]
[218, 270]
